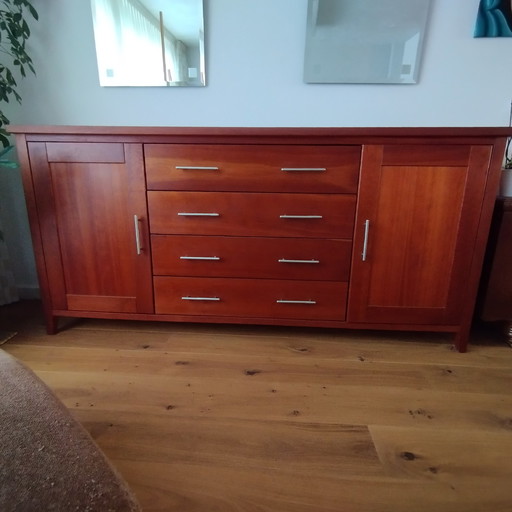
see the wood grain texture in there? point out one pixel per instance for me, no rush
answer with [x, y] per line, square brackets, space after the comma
[306, 258]
[240, 418]
[87, 152]
[253, 168]
[87, 213]
[288, 135]
[263, 298]
[252, 214]
[423, 226]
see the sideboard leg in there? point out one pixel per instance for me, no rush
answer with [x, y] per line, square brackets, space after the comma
[462, 338]
[52, 324]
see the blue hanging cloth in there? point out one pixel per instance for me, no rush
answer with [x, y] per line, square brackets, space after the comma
[494, 19]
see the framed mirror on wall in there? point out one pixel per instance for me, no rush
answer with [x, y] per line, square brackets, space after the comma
[364, 41]
[149, 43]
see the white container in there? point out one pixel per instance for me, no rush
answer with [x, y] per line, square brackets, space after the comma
[506, 183]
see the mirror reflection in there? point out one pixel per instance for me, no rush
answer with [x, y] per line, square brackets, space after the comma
[149, 42]
[364, 41]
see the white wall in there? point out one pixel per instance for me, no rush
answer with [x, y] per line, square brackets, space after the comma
[254, 74]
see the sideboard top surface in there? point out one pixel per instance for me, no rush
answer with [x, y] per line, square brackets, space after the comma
[260, 135]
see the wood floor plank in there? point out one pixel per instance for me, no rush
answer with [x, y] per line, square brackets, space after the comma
[179, 487]
[451, 456]
[309, 448]
[251, 398]
[294, 365]
[369, 346]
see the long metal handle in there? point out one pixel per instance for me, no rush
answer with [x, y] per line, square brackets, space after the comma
[198, 214]
[303, 169]
[301, 216]
[283, 301]
[365, 241]
[196, 168]
[284, 260]
[201, 298]
[208, 258]
[137, 234]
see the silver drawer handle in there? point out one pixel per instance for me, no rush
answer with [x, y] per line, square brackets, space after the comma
[197, 214]
[201, 298]
[284, 260]
[196, 168]
[303, 169]
[301, 216]
[282, 301]
[209, 258]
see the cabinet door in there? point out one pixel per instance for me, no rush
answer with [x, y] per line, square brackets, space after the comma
[93, 222]
[416, 229]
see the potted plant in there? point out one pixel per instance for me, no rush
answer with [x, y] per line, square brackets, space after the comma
[14, 33]
[14, 61]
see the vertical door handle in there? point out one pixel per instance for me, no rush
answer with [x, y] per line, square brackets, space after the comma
[365, 241]
[137, 234]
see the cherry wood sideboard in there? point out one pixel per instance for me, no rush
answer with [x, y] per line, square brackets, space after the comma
[371, 228]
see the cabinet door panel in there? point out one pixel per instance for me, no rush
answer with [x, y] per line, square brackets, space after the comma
[421, 230]
[89, 233]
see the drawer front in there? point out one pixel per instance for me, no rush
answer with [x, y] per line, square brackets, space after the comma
[259, 168]
[266, 258]
[255, 298]
[252, 214]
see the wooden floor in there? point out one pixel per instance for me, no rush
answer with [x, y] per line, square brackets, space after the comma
[253, 419]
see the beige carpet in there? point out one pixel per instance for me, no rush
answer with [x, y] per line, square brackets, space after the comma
[48, 461]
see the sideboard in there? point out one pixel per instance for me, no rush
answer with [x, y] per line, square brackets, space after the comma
[360, 228]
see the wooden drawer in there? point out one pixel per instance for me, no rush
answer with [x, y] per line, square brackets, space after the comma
[267, 258]
[255, 298]
[262, 168]
[252, 214]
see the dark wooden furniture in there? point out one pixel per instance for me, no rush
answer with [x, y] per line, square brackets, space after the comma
[358, 228]
[496, 303]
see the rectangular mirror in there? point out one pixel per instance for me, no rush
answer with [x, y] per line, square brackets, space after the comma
[364, 41]
[148, 43]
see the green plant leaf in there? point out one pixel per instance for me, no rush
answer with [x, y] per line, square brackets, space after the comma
[14, 32]
[9, 164]
[3, 138]
[6, 150]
